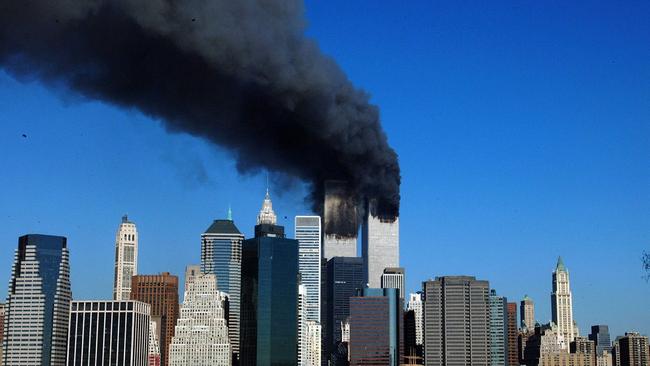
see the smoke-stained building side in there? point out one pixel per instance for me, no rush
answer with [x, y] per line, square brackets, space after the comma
[341, 222]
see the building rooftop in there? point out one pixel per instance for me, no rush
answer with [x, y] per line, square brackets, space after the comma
[222, 227]
[560, 265]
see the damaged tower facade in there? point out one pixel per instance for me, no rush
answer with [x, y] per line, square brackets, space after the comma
[341, 221]
[380, 244]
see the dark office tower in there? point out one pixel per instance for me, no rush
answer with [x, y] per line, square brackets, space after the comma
[269, 302]
[512, 356]
[600, 335]
[38, 302]
[107, 333]
[632, 350]
[221, 255]
[456, 321]
[376, 327]
[412, 350]
[161, 292]
[344, 277]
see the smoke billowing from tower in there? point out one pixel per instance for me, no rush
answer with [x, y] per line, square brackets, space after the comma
[240, 74]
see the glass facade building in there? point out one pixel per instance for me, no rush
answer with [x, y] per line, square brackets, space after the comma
[376, 327]
[38, 302]
[108, 333]
[269, 303]
[221, 250]
[498, 329]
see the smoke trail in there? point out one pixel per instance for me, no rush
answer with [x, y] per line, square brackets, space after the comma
[240, 74]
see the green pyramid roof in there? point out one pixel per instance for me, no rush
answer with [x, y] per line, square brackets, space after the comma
[560, 265]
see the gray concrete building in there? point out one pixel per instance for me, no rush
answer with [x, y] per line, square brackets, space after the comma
[456, 321]
[379, 245]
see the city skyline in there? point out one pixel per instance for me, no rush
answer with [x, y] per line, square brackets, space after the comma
[493, 187]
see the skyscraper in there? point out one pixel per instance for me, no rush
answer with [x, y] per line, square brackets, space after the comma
[562, 303]
[340, 226]
[104, 333]
[376, 327]
[201, 335]
[380, 245]
[456, 321]
[498, 329]
[153, 355]
[527, 313]
[308, 234]
[269, 272]
[393, 278]
[600, 335]
[415, 304]
[344, 277]
[191, 273]
[632, 350]
[38, 302]
[221, 255]
[161, 292]
[512, 353]
[126, 259]
[309, 333]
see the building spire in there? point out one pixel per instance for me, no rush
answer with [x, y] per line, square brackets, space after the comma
[229, 212]
[266, 215]
[560, 265]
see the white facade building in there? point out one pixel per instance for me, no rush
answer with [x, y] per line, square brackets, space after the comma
[415, 304]
[562, 303]
[153, 355]
[201, 336]
[309, 333]
[393, 278]
[126, 259]
[380, 246]
[308, 234]
[38, 302]
[105, 333]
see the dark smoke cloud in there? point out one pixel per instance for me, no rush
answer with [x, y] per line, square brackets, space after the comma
[240, 74]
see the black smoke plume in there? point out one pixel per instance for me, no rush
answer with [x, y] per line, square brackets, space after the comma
[239, 73]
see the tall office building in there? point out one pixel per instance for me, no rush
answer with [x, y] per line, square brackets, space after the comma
[309, 333]
[340, 221]
[562, 303]
[527, 313]
[456, 321]
[201, 335]
[106, 333]
[415, 304]
[161, 292]
[380, 245]
[344, 276]
[38, 302]
[632, 350]
[376, 327]
[394, 278]
[221, 255]
[600, 335]
[191, 273]
[498, 329]
[308, 234]
[512, 354]
[126, 259]
[269, 272]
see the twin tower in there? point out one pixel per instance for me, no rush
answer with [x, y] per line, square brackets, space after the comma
[379, 234]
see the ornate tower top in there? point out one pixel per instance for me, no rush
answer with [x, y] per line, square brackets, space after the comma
[266, 215]
[560, 265]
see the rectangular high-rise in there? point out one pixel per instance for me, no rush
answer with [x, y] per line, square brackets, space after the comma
[393, 278]
[376, 327]
[344, 277]
[161, 292]
[512, 354]
[221, 247]
[341, 223]
[379, 244]
[632, 350]
[108, 333]
[498, 329]
[308, 234]
[269, 302]
[456, 321]
[527, 314]
[38, 302]
[600, 335]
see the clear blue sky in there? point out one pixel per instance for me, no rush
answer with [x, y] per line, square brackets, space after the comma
[523, 131]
